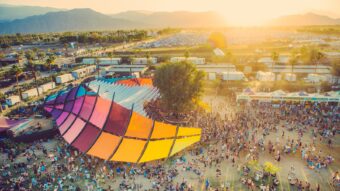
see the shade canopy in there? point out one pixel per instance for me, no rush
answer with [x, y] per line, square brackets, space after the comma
[110, 123]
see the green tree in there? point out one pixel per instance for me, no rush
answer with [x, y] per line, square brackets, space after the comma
[186, 54]
[275, 57]
[336, 68]
[294, 58]
[179, 85]
[17, 72]
[49, 62]
[30, 66]
[315, 57]
[41, 55]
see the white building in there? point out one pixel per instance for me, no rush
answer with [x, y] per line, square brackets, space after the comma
[31, 93]
[194, 60]
[265, 76]
[211, 76]
[47, 86]
[332, 55]
[216, 68]
[218, 52]
[290, 77]
[64, 78]
[82, 72]
[102, 61]
[233, 76]
[12, 100]
[144, 61]
[316, 78]
[268, 61]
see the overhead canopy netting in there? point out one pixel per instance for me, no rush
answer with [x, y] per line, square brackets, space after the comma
[110, 123]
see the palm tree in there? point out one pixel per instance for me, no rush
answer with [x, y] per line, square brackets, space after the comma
[275, 57]
[17, 72]
[110, 55]
[294, 58]
[315, 57]
[30, 66]
[187, 54]
[97, 64]
[49, 62]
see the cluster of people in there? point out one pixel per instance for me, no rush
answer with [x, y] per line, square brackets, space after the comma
[231, 134]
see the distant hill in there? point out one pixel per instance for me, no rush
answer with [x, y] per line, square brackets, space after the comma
[173, 19]
[72, 20]
[303, 20]
[12, 12]
[87, 19]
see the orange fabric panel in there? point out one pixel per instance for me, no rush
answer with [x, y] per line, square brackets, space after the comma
[187, 131]
[183, 143]
[157, 150]
[163, 130]
[139, 126]
[104, 146]
[129, 150]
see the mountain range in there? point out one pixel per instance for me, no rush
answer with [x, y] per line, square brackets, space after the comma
[10, 12]
[30, 19]
[304, 20]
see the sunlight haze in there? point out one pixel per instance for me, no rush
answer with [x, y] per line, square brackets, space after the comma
[240, 12]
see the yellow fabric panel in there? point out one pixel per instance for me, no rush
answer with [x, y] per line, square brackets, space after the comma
[163, 130]
[187, 131]
[183, 143]
[129, 150]
[104, 146]
[139, 126]
[157, 150]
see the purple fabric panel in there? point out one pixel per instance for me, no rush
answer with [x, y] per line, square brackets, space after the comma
[87, 107]
[74, 130]
[67, 123]
[55, 113]
[62, 118]
[69, 106]
[51, 102]
[61, 98]
[77, 105]
[118, 120]
[72, 94]
[86, 138]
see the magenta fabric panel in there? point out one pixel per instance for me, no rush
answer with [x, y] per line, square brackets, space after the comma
[60, 106]
[77, 105]
[62, 118]
[67, 123]
[74, 130]
[68, 106]
[118, 120]
[55, 113]
[72, 94]
[87, 107]
[86, 137]
[100, 112]
[48, 109]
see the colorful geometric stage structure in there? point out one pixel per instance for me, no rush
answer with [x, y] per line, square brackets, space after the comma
[107, 120]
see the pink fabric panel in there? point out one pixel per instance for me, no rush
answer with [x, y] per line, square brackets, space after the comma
[77, 105]
[62, 118]
[67, 123]
[100, 112]
[87, 107]
[75, 129]
[48, 109]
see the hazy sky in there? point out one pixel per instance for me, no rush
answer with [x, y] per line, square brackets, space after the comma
[237, 12]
